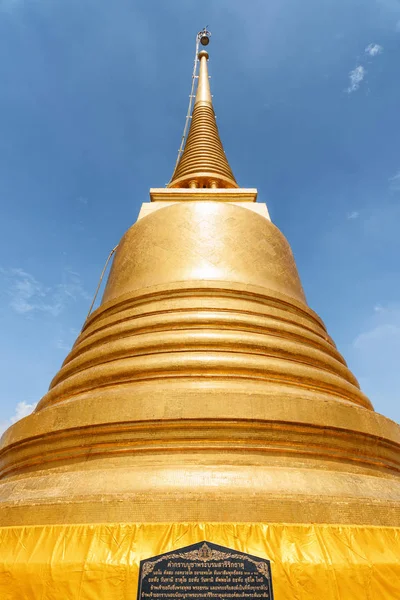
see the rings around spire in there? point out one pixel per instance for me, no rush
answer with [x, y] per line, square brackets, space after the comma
[203, 163]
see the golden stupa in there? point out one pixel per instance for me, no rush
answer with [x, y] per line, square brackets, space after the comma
[203, 400]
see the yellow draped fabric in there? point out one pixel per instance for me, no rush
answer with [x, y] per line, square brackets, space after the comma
[101, 561]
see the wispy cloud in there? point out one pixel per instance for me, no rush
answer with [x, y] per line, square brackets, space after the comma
[382, 333]
[385, 331]
[393, 9]
[392, 6]
[9, 5]
[374, 49]
[353, 215]
[394, 182]
[356, 76]
[61, 344]
[375, 353]
[23, 409]
[29, 296]
[66, 339]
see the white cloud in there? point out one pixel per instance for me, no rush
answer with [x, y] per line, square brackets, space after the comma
[374, 49]
[356, 76]
[8, 5]
[23, 409]
[61, 344]
[374, 355]
[381, 338]
[390, 5]
[394, 182]
[66, 339]
[393, 9]
[353, 215]
[377, 334]
[28, 295]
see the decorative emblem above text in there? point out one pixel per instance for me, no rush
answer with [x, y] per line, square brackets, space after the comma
[203, 571]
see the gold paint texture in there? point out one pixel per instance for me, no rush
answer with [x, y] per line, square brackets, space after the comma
[203, 163]
[203, 379]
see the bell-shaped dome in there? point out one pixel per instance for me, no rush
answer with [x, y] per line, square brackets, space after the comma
[212, 241]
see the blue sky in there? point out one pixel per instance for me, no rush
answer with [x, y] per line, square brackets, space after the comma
[93, 97]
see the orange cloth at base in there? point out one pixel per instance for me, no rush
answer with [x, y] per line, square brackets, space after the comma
[101, 561]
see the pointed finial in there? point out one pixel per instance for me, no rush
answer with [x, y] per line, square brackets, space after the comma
[203, 162]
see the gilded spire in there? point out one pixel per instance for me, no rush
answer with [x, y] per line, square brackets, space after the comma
[203, 87]
[203, 162]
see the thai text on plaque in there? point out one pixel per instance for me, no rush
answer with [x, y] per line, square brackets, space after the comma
[205, 571]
